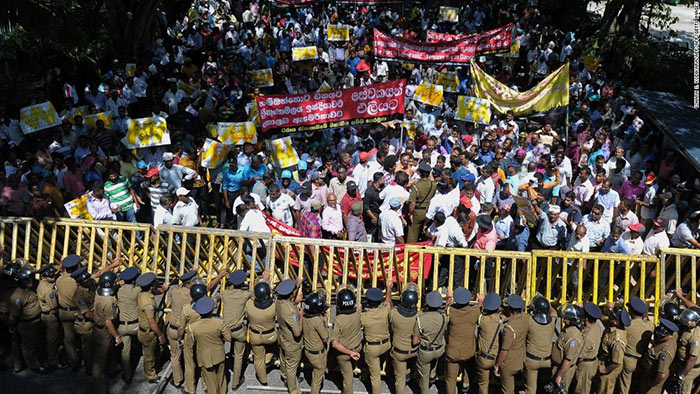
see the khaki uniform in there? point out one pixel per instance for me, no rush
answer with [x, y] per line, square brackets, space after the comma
[375, 323]
[26, 311]
[262, 334]
[568, 346]
[347, 330]
[146, 336]
[689, 346]
[179, 297]
[6, 289]
[430, 328]
[421, 193]
[638, 337]
[235, 320]
[65, 288]
[513, 339]
[290, 346]
[84, 299]
[658, 359]
[187, 317]
[209, 335]
[48, 302]
[489, 329]
[538, 351]
[315, 333]
[105, 310]
[612, 351]
[128, 325]
[402, 350]
[461, 344]
[587, 366]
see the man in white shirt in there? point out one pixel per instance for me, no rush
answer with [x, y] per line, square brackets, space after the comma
[186, 211]
[448, 233]
[583, 188]
[332, 218]
[657, 238]
[485, 185]
[633, 238]
[609, 199]
[164, 211]
[391, 223]
[280, 205]
[445, 200]
[395, 190]
[173, 96]
[361, 172]
[175, 173]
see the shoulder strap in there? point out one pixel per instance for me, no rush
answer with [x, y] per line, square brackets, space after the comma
[427, 195]
[442, 325]
[495, 335]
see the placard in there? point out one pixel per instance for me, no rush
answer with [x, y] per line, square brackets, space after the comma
[338, 33]
[237, 133]
[448, 14]
[38, 117]
[214, 153]
[262, 78]
[283, 153]
[304, 53]
[145, 132]
[428, 93]
[449, 81]
[473, 109]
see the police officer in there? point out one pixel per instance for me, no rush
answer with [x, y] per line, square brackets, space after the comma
[289, 320]
[262, 335]
[315, 332]
[149, 332]
[403, 319]
[375, 324]
[419, 200]
[659, 357]
[587, 365]
[234, 297]
[84, 300]
[671, 311]
[346, 337]
[461, 341]
[511, 355]
[567, 348]
[612, 351]
[538, 348]
[209, 334]
[105, 332]
[9, 285]
[490, 323]
[25, 318]
[65, 288]
[429, 334]
[127, 304]
[179, 297]
[638, 338]
[48, 301]
[689, 349]
[184, 334]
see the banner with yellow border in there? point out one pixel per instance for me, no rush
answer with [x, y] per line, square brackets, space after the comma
[106, 117]
[214, 153]
[472, 109]
[448, 14]
[77, 209]
[237, 133]
[262, 78]
[338, 33]
[145, 132]
[304, 53]
[428, 93]
[283, 153]
[38, 117]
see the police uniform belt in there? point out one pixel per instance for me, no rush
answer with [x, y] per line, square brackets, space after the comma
[316, 351]
[63, 308]
[430, 348]
[174, 327]
[144, 329]
[632, 356]
[126, 323]
[383, 341]
[588, 360]
[399, 351]
[536, 358]
[263, 332]
[487, 356]
[237, 328]
[99, 326]
[31, 319]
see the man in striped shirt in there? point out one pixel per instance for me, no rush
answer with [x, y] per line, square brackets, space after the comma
[121, 194]
[156, 187]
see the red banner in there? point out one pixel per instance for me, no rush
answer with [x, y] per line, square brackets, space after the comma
[336, 108]
[452, 51]
[279, 228]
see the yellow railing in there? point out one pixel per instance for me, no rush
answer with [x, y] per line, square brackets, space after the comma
[679, 270]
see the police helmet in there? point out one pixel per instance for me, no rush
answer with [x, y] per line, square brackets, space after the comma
[198, 291]
[573, 313]
[262, 293]
[24, 273]
[540, 310]
[690, 317]
[314, 304]
[11, 269]
[107, 279]
[671, 311]
[409, 298]
[48, 271]
[346, 301]
[106, 291]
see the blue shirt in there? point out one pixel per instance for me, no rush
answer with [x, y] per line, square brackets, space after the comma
[249, 173]
[486, 157]
[457, 176]
[620, 246]
[294, 186]
[232, 180]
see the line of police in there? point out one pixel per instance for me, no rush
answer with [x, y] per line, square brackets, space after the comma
[629, 353]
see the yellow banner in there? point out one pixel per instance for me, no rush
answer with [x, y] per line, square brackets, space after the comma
[252, 109]
[449, 14]
[325, 87]
[214, 153]
[472, 109]
[449, 81]
[38, 117]
[262, 78]
[304, 53]
[77, 209]
[283, 152]
[428, 93]
[591, 63]
[410, 127]
[551, 92]
[338, 33]
[106, 117]
[145, 132]
[130, 69]
[237, 133]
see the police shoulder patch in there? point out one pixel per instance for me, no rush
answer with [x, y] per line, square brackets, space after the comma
[18, 301]
[663, 357]
[617, 348]
[295, 317]
[696, 344]
[572, 343]
[51, 295]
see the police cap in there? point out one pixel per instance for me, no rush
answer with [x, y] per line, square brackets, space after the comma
[47, 270]
[434, 299]
[129, 274]
[188, 276]
[285, 288]
[145, 279]
[79, 273]
[374, 295]
[462, 296]
[592, 310]
[424, 167]
[491, 302]
[637, 305]
[668, 325]
[71, 261]
[515, 302]
[204, 305]
[237, 277]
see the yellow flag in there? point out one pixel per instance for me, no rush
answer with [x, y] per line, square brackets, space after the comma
[215, 153]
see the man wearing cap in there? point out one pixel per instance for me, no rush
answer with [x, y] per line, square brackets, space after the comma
[461, 342]
[551, 232]
[647, 202]
[587, 365]
[179, 297]
[511, 355]
[486, 236]
[25, 323]
[346, 336]
[351, 197]
[127, 304]
[234, 298]
[429, 335]
[391, 223]
[490, 324]
[538, 348]
[84, 300]
[567, 349]
[65, 289]
[375, 325]
[633, 238]
[290, 323]
[659, 357]
[354, 226]
[657, 238]
[339, 184]
[685, 234]
[174, 174]
[612, 351]
[149, 332]
[155, 187]
[48, 302]
[419, 200]
[209, 334]
[638, 336]
[288, 185]
[186, 211]
[310, 222]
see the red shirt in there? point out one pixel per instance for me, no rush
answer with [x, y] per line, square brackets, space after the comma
[347, 201]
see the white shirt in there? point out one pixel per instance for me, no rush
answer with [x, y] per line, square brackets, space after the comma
[636, 245]
[171, 99]
[254, 221]
[445, 203]
[256, 199]
[655, 242]
[186, 213]
[162, 216]
[609, 201]
[392, 227]
[576, 245]
[393, 191]
[486, 189]
[450, 234]
[360, 174]
[281, 208]
[332, 219]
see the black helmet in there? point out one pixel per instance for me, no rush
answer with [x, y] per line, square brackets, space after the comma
[690, 317]
[107, 279]
[198, 291]
[314, 304]
[573, 313]
[106, 291]
[11, 269]
[346, 301]
[409, 298]
[540, 310]
[671, 311]
[25, 272]
[262, 293]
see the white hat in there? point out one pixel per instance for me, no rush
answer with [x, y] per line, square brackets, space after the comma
[167, 156]
[184, 192]
[554, 209]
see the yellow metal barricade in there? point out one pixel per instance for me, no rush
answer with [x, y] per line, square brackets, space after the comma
[679, 270]
[15, 238]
